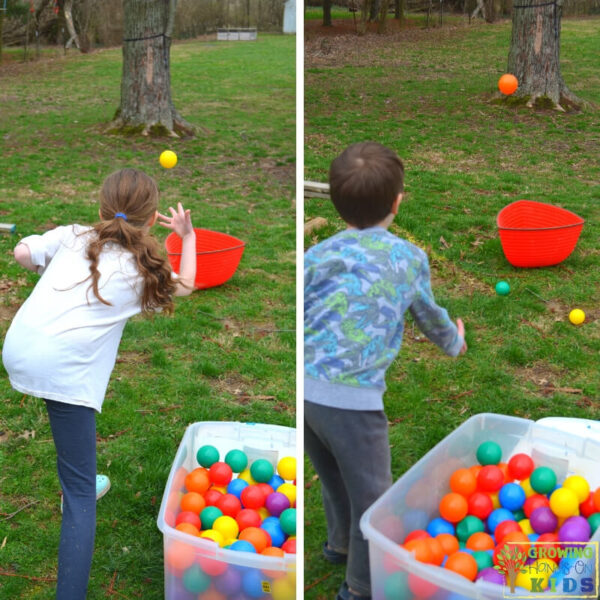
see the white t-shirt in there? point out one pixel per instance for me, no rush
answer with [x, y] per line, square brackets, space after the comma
[62, 343]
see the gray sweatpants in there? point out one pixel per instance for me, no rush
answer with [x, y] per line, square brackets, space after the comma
[350, 452]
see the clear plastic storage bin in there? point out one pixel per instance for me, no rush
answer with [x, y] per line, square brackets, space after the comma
[196, 568]
[413, 501]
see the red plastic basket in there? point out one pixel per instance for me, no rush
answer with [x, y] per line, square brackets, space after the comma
[217, 256]
[535, 234]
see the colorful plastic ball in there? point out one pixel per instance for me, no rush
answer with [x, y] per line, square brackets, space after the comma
[197, 480]
[248, 517]
[526, 485]
[480, 505]
[229, 582]
[212, 566]
[543, 520]
[195, 580]
[209, 515]
[237, 460]
[502, 288]
[289, 546]
[594, 521]
[179, 556]
[463, 481]
[258, 537]
[483, 559]
[193, 502]
[287, 520]
[220, 473]
[533, 502]
[543, 480]
[235, 487]
[266, 489]
[579, 485]
[448, 542]
[519, 515]
[252, 497]
[491, 575]
[289, 489]
[421, 588]
[188, 528]
[511, 496]
[227, 526]
[597, 499]
[525, 525]
[437, 551]
[420, 549]
[468, 526]
[518, 539]
[283, 589]
[480, 541]
[508, 84]
[453, 507]
[277, 552]
[396, 586]
[497, 516]
[490, 478]
[504, 528]
[276, 481]
[229, 504]
[588, 506]
[273, 528]
[207, 455]
[167, 159]
[462, 563]
[437, 526]
[419, 533]
[286, 468]
[489, 453]
[188, 516]
[577, 316]
[215, 536]
[212, 496]
[564, 503]
[247, 476]
[242, 546]
[252, 583]
[261, 470]
[520, 466]
[575, 529]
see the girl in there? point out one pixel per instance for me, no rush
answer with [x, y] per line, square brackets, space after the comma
[63, 342]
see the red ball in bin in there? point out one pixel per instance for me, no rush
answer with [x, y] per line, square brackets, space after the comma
[490, 478]
[533, 502]
[480, 505]
[421, 588]
[258, 537]
[248, 517]
[187, 516]
[415, 535]
[588, 506]
[229, 504]
[289, 546]
[504, 528]
[520, 466]
[220, 473]
[265, 488]
[252, 497]
[212, 497]
[211, 566]
[597, 499]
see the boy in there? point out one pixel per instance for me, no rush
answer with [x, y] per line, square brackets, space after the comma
[358, 285]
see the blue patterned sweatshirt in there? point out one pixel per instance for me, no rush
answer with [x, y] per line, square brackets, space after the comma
[357, 286]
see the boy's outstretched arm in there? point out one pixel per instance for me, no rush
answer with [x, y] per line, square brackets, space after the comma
[180, 222]
[433, 320]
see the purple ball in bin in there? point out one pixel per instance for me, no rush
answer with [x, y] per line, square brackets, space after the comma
[490, 574]
[543, 520]
[229, 583]
[575, 529]
[276, 503]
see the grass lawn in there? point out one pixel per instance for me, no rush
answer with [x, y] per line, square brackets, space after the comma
[427, 94]
[227, 354]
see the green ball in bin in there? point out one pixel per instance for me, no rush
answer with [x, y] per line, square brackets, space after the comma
[237, 460]
[396, 586]
[489, 453]
[287, 520]
[195, 580]
[207, 455]
[262, 470]
[209, 515]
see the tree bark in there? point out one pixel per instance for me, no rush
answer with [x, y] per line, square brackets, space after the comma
[68, 10]
[327, 13]
[146, 103]
[383, 11]
[534, 55]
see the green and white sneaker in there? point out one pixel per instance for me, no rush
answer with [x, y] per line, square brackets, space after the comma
[102, 486]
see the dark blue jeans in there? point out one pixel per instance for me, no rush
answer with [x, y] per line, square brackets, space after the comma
[74, 433]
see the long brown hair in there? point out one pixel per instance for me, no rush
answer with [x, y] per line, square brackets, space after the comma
[133, 196]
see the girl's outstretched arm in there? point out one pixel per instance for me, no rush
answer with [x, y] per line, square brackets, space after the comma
[22, 255]
[180, 222]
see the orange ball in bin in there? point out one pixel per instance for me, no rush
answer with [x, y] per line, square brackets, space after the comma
[449, 543]
[274, 551]
[453, 507]
[462, 563]
[197, 480]
[463, 482]
[437, 551]
[194, 502]
[421, 550]
[480, 541]
[179, 556]
[188, 528]
[258, 537]
[597, 499]
[508, 84]
[212, 594]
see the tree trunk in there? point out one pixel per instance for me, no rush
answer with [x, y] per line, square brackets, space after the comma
[383, 11]
[327, 13]
[68, 10]
[1, 26]
[375, 6]
[146, 103]
[534, 56]
[399, 10]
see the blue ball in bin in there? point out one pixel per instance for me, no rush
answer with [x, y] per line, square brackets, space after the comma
[276, 481]
[230, 582]
[252, 583]
[236, 486]
[242, 546]
[439, 525]
[272, 526]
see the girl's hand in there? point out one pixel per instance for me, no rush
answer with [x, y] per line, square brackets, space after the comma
[180, 221]
[461, 331]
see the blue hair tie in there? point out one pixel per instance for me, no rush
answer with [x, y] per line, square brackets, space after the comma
[121, 215]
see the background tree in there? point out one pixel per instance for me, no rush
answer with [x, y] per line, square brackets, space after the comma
[146, 103]
[534, 56]
[327, 13]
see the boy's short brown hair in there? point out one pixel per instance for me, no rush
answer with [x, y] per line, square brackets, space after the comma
[364, 181]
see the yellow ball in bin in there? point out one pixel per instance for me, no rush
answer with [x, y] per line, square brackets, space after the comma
[577, 316]
[226, 526]
[168, 159]
[289, 490]
[215, 536]
[283, 589]
[286, 468]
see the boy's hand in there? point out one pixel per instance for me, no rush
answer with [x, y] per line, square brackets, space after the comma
[461, 331]
[180, 221]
